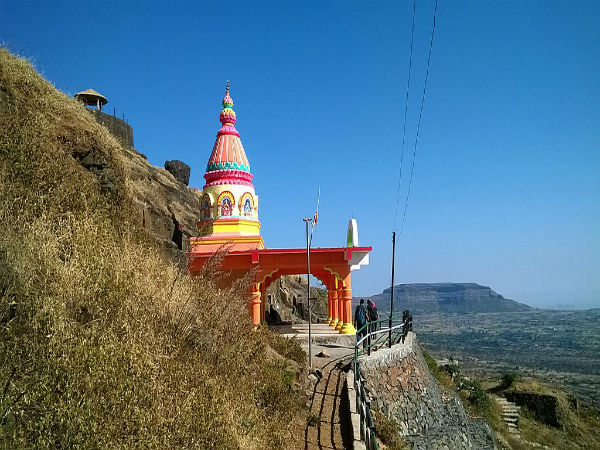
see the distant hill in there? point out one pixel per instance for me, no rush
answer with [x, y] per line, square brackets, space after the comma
[427, 298]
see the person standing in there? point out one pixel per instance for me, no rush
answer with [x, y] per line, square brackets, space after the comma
[373, 315]
[360, 320]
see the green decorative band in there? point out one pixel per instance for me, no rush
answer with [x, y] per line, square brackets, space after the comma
[227, 165]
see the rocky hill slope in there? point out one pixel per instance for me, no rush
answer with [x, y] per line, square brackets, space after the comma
[163, 206]
[429, 298]
[104, 342]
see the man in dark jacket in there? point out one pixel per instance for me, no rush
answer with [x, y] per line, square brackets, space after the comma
[360, 320]
[372, 315]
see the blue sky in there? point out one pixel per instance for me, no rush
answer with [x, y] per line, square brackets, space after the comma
[506, 186]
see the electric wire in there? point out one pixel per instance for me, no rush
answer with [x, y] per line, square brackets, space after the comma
[420, 117]
[412, 38]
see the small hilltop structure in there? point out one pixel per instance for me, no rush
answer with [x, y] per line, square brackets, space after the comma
[229, 217]
[118, 127]
[90, 97]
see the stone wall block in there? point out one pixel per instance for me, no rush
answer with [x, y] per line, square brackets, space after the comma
[405, 391]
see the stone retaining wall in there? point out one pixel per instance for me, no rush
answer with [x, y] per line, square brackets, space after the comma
[118, 127]
[401, 387]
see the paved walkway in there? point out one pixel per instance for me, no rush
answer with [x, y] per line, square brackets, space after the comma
[329, 424]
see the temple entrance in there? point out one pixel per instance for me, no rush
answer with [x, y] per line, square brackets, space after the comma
[286, 301]
[332, 266]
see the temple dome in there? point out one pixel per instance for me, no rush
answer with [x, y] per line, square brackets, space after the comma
[228, 163]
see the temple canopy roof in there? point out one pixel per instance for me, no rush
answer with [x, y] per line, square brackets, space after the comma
[228, 159]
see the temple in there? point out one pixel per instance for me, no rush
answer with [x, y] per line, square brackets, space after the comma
[229, 221]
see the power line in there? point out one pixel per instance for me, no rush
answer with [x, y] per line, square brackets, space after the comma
[420, 117]
[412, 38]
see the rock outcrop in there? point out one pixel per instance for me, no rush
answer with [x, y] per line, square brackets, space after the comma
[93, 160]
[179, 169]
[164, 206]
[286, 290]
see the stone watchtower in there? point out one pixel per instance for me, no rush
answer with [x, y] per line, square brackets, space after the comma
[118, 127]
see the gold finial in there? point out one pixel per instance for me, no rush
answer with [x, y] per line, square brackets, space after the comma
[227, 87]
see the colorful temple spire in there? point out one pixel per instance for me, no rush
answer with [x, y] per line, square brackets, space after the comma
[228, 162]
[229, 205]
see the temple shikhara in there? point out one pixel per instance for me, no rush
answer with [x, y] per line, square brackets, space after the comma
[229, 217]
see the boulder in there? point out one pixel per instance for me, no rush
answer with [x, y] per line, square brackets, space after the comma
[179, 169]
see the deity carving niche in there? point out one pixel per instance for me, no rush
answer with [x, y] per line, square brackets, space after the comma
[247, 207]
[226, 207]
[205, 212]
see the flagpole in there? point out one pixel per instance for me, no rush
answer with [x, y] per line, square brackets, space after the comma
[307, 220]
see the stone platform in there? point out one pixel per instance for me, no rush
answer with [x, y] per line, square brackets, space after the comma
[321, 334]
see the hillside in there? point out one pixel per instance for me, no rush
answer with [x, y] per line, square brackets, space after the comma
[429, 298]
[104, 341]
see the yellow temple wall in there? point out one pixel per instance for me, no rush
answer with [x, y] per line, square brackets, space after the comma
[238, 191]
[243, 226]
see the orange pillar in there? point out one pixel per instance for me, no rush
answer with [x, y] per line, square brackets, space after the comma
[340, 304]
[254, 303]
[348, 327]
[263, 301]
[329, 297]
[330, 289]
[334, 301]
[334, 307]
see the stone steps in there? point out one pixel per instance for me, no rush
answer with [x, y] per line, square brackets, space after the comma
[510, 414]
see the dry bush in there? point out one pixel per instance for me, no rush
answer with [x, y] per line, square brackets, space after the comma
[287, 347]
[104, 343]
[388, 431]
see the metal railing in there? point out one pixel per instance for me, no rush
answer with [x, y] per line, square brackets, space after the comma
[375, 334]
[372, 336]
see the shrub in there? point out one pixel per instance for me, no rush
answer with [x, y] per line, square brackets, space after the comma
[508, 379]
[478, 398]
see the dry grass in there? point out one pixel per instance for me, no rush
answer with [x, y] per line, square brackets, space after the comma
[388, 431]
[579, 429]
[104, 343]
[442, 376]
[287, 347]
